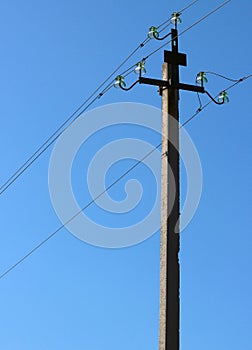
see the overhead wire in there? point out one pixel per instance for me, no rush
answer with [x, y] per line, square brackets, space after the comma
[56, 134]
[238, 81]
[124, 174]
[80, 211]
[215, 74]
[130, 70]
[42, 150]
[168, 25]
[112, 184]
[222, 76]
[49, 141]
[190, 27]
[52, 139]
[181, 11]
[144, 59]
[188, 6]
[90, 203]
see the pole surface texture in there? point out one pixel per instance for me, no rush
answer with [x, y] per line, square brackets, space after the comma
[170, 241]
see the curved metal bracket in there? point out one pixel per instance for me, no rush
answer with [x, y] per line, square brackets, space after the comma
[213, 99]
[164, 37]
[129, 88]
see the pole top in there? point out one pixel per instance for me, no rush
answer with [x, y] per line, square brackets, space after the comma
[175, 58]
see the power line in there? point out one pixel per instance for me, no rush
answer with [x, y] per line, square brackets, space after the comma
[238, 81]
[181, 11]
[188, 6]
[218, 75]
[30, 160]
[56, 134]
[111, 185]
[80, 211]
[90, 203]
[222, 76]
[188, 28]
[42, 150]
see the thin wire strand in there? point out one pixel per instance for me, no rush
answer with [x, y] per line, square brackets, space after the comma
[222, 76]
[180, 34]
[188, 28]
[130, 70]
[183, 32]
[30, 160]
[196, 113]
[75, 112]
[39, 151]
[55, 136]
[168, 25]
[91, 202]
[199, 99]
[78, 109]
[218, 75]
[208, 103]
[42, 150]
[111, 185]
[188, 6]
[80, 211]
[181, 11]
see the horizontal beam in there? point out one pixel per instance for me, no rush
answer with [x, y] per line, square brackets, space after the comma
[193, 88]
[163, 83]
[156, 82]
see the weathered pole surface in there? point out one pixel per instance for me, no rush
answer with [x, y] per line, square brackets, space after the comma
[170, 240]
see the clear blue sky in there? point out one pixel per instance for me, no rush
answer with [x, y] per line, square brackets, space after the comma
[71, 295]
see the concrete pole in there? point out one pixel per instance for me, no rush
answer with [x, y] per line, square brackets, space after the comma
[169, 261]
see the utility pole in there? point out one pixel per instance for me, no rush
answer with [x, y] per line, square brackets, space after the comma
[169, 86]
[170, 206]
[169, 249]
[169, 327]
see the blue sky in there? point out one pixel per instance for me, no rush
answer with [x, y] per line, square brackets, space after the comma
[71, 295]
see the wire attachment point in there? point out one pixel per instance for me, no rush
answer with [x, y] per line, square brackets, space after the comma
[140, 68]
[120, 83]
[175, 18]
[201, 78]
[223, 97]
[153, 33]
